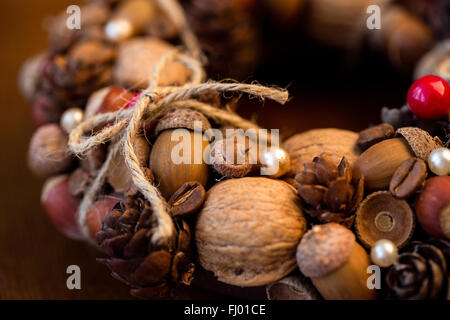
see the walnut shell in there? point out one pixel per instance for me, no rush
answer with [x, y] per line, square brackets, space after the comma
[249, 238]
[337, 143]
[137, 58]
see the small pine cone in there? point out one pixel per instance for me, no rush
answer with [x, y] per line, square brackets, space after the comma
[151, 271]
[330, 193]
[70, 79]
[421, 272]
[227, 35]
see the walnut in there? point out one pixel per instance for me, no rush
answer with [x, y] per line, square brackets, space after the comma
[248, 231]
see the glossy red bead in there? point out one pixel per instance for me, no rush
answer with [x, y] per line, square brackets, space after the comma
[429, 98]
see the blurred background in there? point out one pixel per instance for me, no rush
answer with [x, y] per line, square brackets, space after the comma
[334, 82]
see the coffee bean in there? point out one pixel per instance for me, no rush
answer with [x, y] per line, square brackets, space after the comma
[408, 178]
[187, 199]
[373, 135]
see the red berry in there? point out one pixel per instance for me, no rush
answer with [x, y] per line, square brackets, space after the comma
[429, 98]
[133, 101]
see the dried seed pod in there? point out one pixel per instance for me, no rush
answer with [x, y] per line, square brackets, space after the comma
[136, 60]
[48, 153]
[295, 287]
[335, 262]
[249, 238]
[408, 178]
[337, 143]
[188, 199]
[381, 216]
[373, 135]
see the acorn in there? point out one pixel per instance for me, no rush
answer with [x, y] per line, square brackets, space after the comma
[433, 207]
[378, 163]
[335, 262]
[382, 216]
[177, 155]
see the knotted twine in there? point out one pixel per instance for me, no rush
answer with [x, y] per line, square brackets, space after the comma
[152, 103]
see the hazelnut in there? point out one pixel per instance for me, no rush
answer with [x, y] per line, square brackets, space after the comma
[382, 216]
[249, 238]
[30, 74]
[337, 143]
[61, 207]
[48, 154]
[432, 207]
[98, 211]
[172, 142]
[335, 262]
[378, 163]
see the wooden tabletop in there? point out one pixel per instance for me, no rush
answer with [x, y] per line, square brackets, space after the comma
[34, 256]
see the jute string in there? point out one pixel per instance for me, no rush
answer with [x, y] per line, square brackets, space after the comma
[152, 103]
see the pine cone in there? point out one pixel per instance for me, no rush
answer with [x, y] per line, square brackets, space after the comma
[68, 80]
[420, 272]
[151, 271]
[227, 35]
[330, 193]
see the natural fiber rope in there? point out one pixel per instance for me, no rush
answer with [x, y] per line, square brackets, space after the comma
[153, 102]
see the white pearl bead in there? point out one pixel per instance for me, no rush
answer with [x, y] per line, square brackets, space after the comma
[439, 161]
[384, 253]
[118, 30]
[276, 162]
[71, 118]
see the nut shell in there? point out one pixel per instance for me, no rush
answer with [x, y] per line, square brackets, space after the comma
[48, 154]
[182, 118]
[249, 238]
[324, 249]
[381, 216]
[419, 140]
[337, 143]
[136, 60]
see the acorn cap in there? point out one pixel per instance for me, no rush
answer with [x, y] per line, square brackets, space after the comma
[324, 249]
[419, 140]
[182, 118]
[382, 216]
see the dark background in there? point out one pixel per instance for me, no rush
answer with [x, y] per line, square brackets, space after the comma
[327, 90]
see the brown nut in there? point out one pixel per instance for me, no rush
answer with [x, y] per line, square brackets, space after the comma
[48, 153]
[79, 181]
[335, 262]
[408, 178]
[136, 60]
[230, 158]
[94, 159]
[381, 216]
[337, 143]
[248, 231]
[378, 163]
[373, 135]
[430, 206]
[188, 199]
[182, 118]
[294, 287]
[30, 74]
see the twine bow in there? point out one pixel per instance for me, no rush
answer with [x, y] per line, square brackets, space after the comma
[154, 102]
